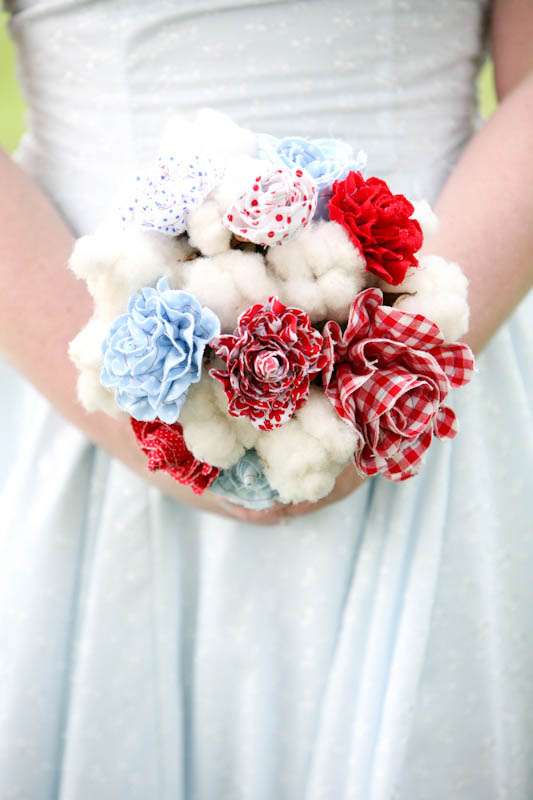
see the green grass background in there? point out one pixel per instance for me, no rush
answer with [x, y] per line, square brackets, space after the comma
[12, 106]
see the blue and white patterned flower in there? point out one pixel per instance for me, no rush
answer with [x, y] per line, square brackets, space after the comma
[246, 484]
[326, 160]
[162, 198]
[154, 353]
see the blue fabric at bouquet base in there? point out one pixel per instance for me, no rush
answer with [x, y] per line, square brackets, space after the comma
[245, 484]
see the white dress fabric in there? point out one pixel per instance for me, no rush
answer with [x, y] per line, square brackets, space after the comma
[380, 649]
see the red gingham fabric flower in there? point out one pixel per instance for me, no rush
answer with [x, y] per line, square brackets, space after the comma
[389, 374]
[166, 449]
[269, 362]
[378, 223]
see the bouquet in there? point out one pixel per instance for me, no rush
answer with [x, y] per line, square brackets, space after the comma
[264, 317]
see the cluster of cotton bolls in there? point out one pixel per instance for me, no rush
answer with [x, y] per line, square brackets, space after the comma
[304, 457]
[234, 218]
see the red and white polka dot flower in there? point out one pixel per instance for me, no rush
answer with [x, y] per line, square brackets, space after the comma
[279, 203]
[270, 360]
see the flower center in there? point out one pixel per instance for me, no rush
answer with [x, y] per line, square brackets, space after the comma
[270, 366]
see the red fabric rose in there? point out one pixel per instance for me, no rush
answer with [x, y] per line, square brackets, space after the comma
[269, 362]
[166, 449]
[378, 224]
[389, 375]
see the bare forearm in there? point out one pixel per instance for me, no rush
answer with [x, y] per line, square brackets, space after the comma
[42, 307]
[486, 209]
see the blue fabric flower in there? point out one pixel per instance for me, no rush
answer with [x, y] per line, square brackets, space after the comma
[153, 353]
[245, 484]
[326, 160]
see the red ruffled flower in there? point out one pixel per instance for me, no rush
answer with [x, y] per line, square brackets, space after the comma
[389, 375]
[378, 224]
[166, 449]
[269, 362]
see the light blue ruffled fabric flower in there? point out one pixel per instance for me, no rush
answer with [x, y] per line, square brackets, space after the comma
[326, 160]
[153, 353]
[246, 484]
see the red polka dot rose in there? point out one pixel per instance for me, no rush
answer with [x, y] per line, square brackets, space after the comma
[270, 360]
[275, 207]
[379, 224]
[389, 374]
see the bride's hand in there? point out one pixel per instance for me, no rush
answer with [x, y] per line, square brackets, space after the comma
[347, 482]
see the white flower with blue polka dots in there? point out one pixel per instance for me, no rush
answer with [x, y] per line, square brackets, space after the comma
[161, 198]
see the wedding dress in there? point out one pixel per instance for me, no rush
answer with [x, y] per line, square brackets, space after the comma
[377, 650]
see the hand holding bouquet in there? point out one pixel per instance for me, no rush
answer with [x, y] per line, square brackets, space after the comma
[263, 315]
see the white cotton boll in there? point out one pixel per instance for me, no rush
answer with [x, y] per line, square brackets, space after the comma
[320, 271]
[338, 290]
[228, 284]
[222, 133]
[304, 457]
[315, 251]
[251, 278]
[116, 262]
[199, 405]
[246, 433]
[310, 488]
[213, 442]
[214, 288]
[433, 274]
[240, 172]
[85, 350]
[128, 253]
[305, 294]
[206, 131]
[289, 450]
[87, 256]
[438, 289]
[319, 418]
[288, 260]
[92, 395]
[327, 247]
[447, 310]
[210, 433]
[441, 275]
[141, 257]
[206, 231]
[424, 214]
[297, 480]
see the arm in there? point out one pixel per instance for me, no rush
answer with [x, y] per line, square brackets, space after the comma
[486, 207]
[34, 247]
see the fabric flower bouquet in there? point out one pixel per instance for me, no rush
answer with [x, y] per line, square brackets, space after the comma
[263, 316]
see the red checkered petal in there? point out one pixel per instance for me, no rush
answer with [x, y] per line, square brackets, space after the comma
[457, 361]
[362, 312]
[413, 330]
[406, 461]
[413, 412]
[445, 423]
[380, 392]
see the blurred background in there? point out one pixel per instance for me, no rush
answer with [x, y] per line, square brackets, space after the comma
[12, 105]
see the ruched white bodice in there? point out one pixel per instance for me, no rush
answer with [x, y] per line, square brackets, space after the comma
[395, 77]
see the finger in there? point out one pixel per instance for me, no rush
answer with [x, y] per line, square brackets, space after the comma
[274, 515]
